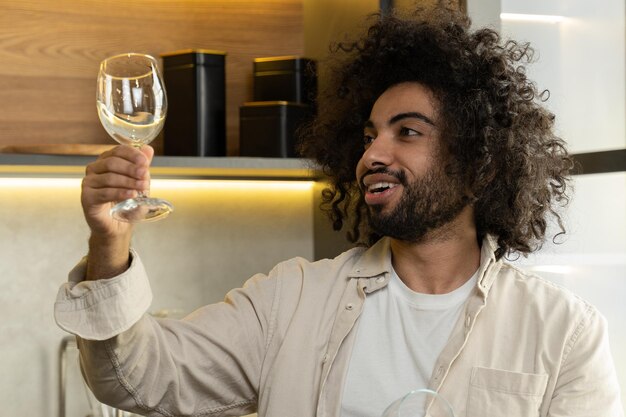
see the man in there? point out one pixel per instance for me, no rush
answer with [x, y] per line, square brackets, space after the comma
[442, 162]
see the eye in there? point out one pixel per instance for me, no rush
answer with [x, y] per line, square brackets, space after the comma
[367, 140]
[405, 131]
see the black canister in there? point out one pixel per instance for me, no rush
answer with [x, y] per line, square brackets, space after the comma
[195, 81]
[287, 78]
[268, 128]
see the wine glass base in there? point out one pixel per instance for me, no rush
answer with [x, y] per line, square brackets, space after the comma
[420, 403]
[141, 210]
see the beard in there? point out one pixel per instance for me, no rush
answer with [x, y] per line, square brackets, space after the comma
[426, 204]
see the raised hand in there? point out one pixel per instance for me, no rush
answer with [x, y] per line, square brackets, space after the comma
[118, 174]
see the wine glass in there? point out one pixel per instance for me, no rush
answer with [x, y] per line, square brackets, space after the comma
[420, 403]
[132, 105]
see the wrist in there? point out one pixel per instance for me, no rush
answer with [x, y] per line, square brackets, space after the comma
[108, 256]
[99, 238]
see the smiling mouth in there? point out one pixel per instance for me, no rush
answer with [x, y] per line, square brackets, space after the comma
[380, 187]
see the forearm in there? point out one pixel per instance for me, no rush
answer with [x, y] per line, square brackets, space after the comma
[108, 256]
[174, 367]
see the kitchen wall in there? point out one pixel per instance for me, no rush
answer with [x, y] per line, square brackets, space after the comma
[581, 59]
[216, 239]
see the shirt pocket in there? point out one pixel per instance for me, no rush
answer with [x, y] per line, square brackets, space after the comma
[497, 393]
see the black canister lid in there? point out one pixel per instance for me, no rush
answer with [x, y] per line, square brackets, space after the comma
[206, 57]
[282, 63]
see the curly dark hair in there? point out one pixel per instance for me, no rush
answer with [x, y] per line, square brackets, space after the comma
[497, 132]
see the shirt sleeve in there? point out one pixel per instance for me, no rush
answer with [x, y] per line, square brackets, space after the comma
[208, 363]
[587, 383]
[102, 309]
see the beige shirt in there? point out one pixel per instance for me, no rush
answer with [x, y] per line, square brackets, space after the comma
[281, 345]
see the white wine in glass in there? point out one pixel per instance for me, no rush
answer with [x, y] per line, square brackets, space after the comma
[132, 105]
[420, 403]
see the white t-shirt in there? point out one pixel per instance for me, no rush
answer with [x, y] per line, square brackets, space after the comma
[399, 337]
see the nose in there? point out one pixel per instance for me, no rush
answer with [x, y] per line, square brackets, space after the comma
[379, 153]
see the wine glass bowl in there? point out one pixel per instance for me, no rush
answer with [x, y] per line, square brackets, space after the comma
[420, 403]
[132, 105]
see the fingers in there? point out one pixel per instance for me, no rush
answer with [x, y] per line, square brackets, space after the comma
[98, 196]
[113, 178]
[117, 174]
[122, 160]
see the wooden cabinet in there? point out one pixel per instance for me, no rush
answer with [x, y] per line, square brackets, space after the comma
[50, 52]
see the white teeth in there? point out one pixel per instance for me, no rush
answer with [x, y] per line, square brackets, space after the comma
[380, 185]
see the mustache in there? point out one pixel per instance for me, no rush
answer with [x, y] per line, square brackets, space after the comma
[400, 175]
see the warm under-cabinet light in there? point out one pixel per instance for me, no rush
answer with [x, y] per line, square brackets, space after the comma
[166, 184]
[34, 182]
[542, 18]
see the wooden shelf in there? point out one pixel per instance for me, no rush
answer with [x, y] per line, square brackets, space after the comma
[38, 165]
[31, 165]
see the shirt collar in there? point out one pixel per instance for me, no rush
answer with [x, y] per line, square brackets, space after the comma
[374, 261]
[489, 266]
[375, 265]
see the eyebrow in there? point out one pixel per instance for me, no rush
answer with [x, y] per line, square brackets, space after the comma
[401, 116]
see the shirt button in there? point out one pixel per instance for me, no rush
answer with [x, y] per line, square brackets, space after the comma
[468, 321]
[380, 279]
[349, 306]
[325, 358]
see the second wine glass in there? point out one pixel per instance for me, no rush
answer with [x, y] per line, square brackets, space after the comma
[132, 105]
[420, 403]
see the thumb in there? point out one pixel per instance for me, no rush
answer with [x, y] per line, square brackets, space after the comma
[148, 151]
